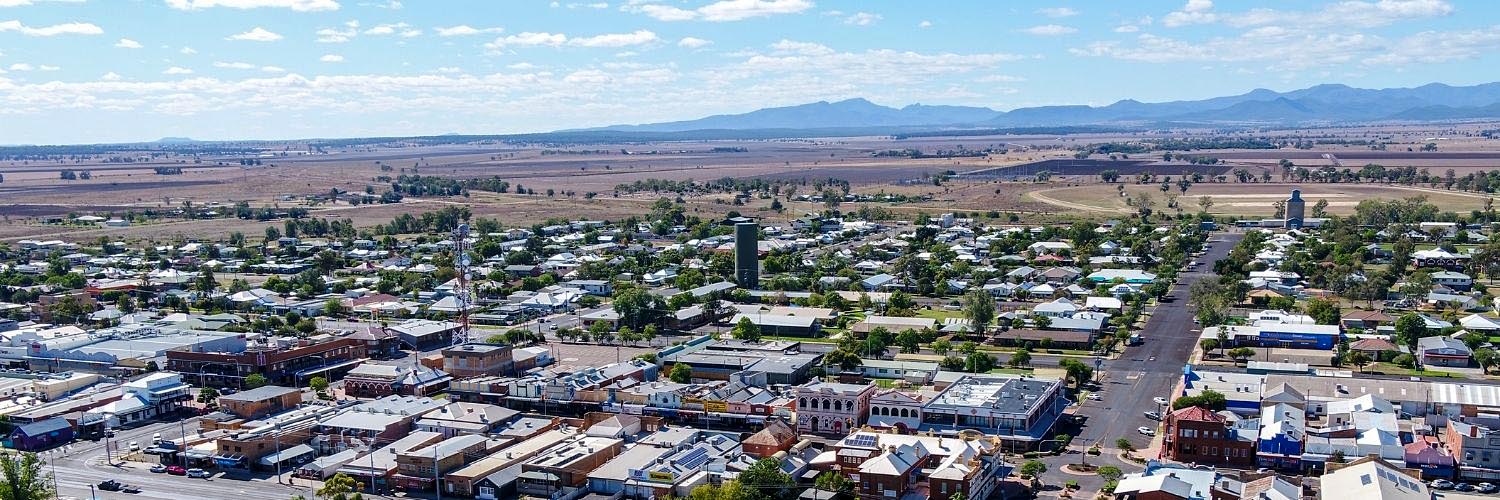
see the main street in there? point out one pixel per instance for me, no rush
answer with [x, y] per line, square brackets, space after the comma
[1152, 369]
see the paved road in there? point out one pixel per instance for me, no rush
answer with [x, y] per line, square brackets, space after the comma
[1151, 369]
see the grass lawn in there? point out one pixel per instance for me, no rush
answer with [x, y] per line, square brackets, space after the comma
[1035, 351]
[939, 314]
[1391, 369]
[1012, 371]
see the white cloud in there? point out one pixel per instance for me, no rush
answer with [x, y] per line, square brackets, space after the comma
[126, 43]
[53, 30]
[450, 69]
[801, 48]
[296, 5]
[1437, 47]
[403, 29]
[22, 67]
[110, 77]
[248, 66]
[999, 79]
[722, 11]
[863, 19]
[1344, 14]
[924, 24]
[517, 98]
[177, 70]
[637, 37]
[338, 35]
[188, 51]
[47, 67]
[1194, 12]
[1280, 49]
[693, 43]
[529, 39]
[258, 34]
[1050, 30]
[465, 30]
[331, 58]
[1127, 28]
[1057, 12]
[533, 39]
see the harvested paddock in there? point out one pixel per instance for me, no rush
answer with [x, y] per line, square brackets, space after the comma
[1091, 167]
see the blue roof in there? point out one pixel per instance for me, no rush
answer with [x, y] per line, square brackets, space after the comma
[43, 427]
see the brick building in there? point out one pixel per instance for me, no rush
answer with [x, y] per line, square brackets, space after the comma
[1199, 435]
[261, 401]
[476, 360]
[776, 436]
[282, 362]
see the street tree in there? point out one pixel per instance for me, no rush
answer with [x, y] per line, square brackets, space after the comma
[979, 308]
[24, 478]
[746, 330]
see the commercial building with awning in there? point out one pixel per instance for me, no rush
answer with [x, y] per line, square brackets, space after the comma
[289, 455]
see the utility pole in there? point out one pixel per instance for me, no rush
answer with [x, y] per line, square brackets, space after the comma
[52, 463]
[437, 482]
[181, 429]
[277, 430]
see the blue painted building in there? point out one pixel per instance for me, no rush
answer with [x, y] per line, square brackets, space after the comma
[1301, 336]
[41, 435]
[1283, 432]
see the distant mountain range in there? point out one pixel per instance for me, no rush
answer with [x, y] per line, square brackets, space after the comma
[1329, 103]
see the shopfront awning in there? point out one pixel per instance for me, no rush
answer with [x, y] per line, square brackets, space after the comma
[292, 453]
[335, 366]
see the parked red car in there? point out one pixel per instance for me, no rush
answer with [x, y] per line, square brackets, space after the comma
[176, 470]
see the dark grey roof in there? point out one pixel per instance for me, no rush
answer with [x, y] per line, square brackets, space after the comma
[259, 393]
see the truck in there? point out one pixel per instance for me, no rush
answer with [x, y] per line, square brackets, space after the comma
[1135, 339]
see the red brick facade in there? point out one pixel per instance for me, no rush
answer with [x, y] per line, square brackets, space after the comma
[1198, 435]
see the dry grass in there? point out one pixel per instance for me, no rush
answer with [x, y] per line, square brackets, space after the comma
[1247, 199]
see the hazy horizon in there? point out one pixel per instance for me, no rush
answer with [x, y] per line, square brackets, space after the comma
[94, 72]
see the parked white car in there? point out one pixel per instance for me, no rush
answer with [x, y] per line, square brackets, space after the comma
[1146, 431]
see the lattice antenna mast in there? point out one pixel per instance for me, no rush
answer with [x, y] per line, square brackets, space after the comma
[464, 292]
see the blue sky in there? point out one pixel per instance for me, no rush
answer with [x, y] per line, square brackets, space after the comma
[74, 71]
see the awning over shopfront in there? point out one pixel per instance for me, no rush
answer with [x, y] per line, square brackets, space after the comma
[287, 455]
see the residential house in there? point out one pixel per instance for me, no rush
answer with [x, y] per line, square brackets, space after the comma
[1442, 350]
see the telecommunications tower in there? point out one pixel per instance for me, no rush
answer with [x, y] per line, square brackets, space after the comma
[464, 292]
